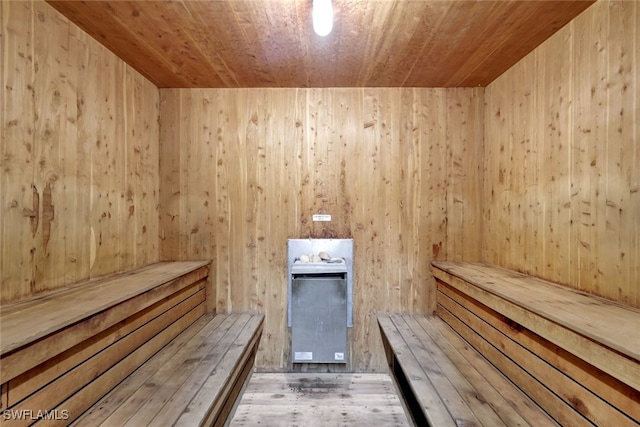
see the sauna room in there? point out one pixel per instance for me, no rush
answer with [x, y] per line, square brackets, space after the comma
[230, 212]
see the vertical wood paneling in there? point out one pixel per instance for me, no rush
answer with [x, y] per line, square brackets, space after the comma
[170, 176]
[54, 104]
[431, 125]
[464, 182]
[409, 202]
[79, 156]
[20, 200]
[561, 136]
[277, 187]
[554, 130]
[378, 160]
[621, 210]
[143, 160]
[228, 124]
[627, 16]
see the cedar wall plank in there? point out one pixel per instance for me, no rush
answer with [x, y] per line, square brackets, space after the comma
[19, 199]
[80, 183]
[244, 169]
[561, 181]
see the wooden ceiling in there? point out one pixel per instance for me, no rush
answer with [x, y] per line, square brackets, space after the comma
[384, 43]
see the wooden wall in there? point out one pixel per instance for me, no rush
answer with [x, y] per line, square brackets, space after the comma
[553, 192]
[562, 157]
[398, 169]
[79, 183]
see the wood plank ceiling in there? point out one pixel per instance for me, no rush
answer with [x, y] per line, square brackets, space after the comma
[384, 43]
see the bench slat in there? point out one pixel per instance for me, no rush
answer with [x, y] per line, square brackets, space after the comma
[454, 390]
[216, 385]
[175, 306]
[188, 371]
[536, 377]
[142, 405]
[433, 407]
[495, 388]
[488, 405]
[87, 396]
[528, 307]
[585, 314]
[26, 321]
[181, 375]
[116, 407]
[471, 389]
[560, 362]
[546, 339]
[73, 380]
[33, 353]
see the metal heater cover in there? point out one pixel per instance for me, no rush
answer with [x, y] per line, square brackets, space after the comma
[319, 311]
[337, 248]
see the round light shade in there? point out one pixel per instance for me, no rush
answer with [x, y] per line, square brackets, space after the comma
[322, 17]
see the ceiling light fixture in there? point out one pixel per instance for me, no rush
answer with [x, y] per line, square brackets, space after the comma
[322, 17]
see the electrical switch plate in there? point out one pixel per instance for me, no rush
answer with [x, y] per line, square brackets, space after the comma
[321, 217]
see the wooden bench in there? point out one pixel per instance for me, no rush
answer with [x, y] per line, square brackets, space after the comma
[576, 355]
[446, 383]
[193, 381]
[61, 352]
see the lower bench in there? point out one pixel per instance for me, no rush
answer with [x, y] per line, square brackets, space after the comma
[447, 383]
[192, 381]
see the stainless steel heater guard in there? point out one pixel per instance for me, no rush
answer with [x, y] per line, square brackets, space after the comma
[337, 248]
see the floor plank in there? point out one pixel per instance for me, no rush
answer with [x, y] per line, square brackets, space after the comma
[277, 399]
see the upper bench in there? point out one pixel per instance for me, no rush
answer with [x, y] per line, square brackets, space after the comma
[601, 332]
[41, 321]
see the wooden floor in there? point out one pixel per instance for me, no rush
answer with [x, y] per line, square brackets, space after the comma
[320, 400]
